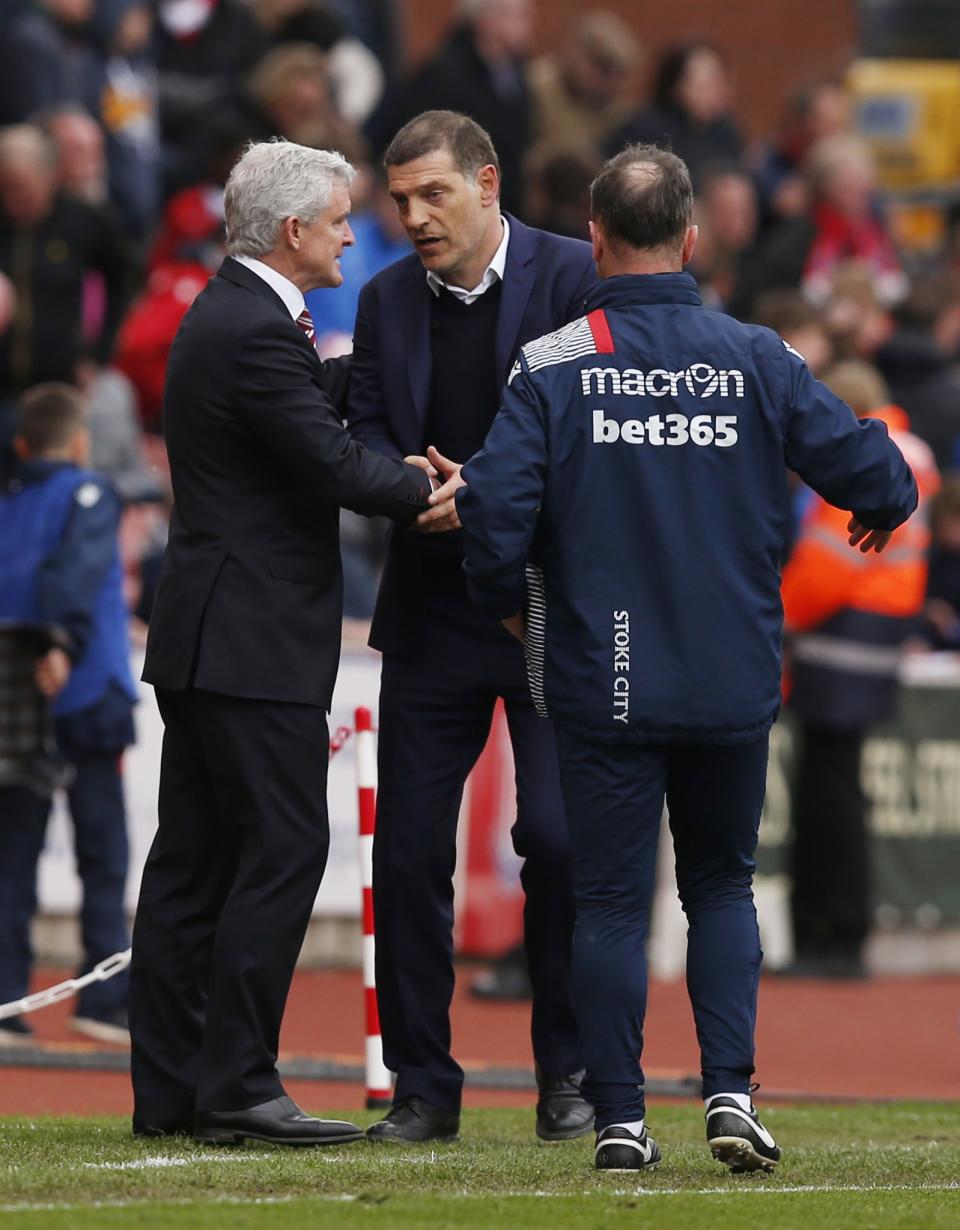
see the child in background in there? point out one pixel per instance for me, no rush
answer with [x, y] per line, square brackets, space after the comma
[60, 565]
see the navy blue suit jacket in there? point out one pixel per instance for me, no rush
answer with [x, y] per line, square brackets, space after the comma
[545, 281]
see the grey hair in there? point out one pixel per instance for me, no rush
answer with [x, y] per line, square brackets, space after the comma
[274, 180]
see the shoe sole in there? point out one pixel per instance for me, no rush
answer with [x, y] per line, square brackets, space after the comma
[227, 1136]
[626, 1169]
[100, 1031]
[740, 1155]
[554, 1138]
[403, 1140]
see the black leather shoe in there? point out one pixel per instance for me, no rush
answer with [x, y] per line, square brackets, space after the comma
[562, 1111]
[280, 1122]
[182, 1127]
[413, 1120]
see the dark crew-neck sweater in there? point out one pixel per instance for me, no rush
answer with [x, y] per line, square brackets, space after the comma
[464, 384]
[464, 400]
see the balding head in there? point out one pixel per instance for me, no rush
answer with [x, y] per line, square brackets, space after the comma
[642, 200]
[27, 173]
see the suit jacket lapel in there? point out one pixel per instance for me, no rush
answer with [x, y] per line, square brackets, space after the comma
[416, 307]
[519, 275]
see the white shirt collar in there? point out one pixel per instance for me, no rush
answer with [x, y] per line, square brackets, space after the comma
[492, 273]
[291, 295]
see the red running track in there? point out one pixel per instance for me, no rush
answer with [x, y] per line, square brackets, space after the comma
[887, 1038]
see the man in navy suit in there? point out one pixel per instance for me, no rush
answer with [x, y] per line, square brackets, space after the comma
[435, 338]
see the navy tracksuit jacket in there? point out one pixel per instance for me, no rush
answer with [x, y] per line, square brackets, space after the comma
[632, 498]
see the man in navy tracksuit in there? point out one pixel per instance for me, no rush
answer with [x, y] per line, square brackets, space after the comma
[60, 564]
[628, 512]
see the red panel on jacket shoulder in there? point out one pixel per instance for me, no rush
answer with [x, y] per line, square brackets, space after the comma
[601, 331]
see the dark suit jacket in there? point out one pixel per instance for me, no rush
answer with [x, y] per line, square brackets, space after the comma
[249, 601]
[545, 281]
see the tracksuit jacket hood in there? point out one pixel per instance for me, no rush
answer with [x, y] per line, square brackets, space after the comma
[638, 466]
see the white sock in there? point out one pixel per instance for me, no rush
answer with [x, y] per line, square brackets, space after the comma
[636, 1127]
[741, 1099]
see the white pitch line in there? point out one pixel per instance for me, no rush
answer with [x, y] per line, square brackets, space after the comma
[804, 1189]
[161, 1162]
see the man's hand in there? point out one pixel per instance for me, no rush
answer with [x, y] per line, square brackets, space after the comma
[423, 464]
[52, 672]
[516, 625]
[869, 540]
[443, 515]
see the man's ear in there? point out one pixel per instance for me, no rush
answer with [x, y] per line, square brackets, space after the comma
[689, 244]
[290, 230]
[596, 241]
[20, 448]
[488, 184]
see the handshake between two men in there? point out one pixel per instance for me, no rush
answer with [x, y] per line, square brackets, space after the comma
[442, 515]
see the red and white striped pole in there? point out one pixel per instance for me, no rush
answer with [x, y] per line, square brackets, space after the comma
[379, 1079]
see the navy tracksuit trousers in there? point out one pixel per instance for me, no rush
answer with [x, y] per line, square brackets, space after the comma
[614, 797]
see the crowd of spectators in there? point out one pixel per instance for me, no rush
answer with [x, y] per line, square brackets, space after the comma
[120, 119]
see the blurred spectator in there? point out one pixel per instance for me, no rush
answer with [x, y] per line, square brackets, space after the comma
[114, 429]
[61, 565]
[8, 305]
[690, 111]
[941, 611]
[380, 240]
[81, 152]
[49, 246]
[726, 212]
[122, 94]
[481, 71]
[856, 318]
[819, 108]
[203, 49]
[847, 615]
[843, 225]
[580, 93]
[188, 249]
[355, 74]
[557, 189]
[378, 25]
[46, 55]
[919, 362]
[799, 324]
[289, 95]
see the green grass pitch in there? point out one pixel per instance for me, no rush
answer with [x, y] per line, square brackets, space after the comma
[878, 1167]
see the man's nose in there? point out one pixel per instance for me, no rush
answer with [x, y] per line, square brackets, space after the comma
[349, 239]
[416, 216]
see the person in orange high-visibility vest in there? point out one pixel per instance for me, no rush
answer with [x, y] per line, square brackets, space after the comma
[846, 615]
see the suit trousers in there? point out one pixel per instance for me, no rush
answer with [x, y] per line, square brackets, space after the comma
[435, 714]
[100, 846]
[614, 795]
[225, 900]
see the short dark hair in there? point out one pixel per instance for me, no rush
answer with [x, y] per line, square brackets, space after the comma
[468, 144]
[49, 417]
[643, 197]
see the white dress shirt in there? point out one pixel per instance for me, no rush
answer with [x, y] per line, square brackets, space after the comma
[492, 273]
[291, 295]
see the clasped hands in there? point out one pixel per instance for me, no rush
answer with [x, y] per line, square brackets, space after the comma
[442, 515]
